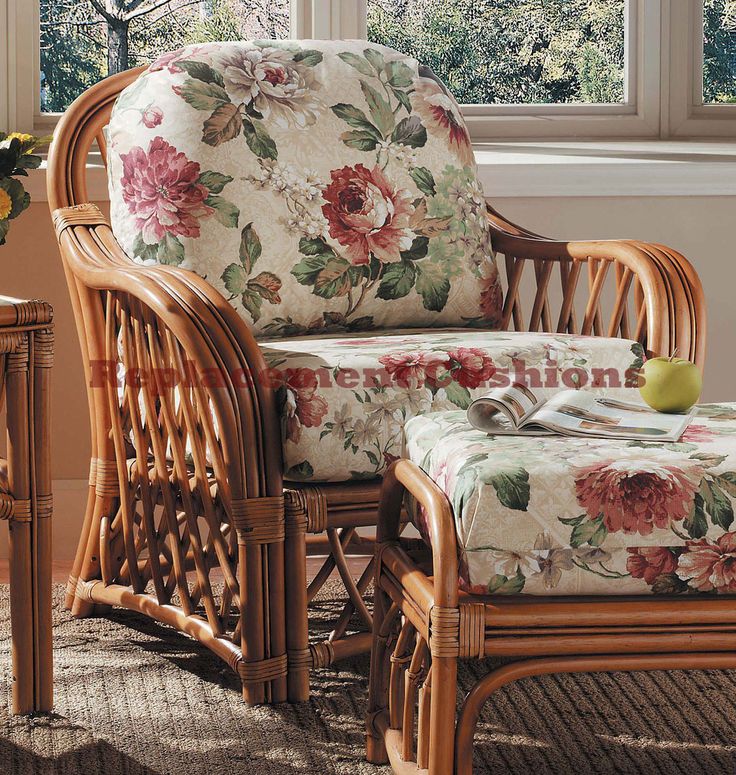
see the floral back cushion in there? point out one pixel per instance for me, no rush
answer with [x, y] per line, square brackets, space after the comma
[319, 185]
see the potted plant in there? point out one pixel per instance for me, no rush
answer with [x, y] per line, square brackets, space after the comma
[16, 158]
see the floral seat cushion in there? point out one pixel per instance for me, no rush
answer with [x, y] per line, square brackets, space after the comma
[344, 400]
[575, 516]
[319, 185]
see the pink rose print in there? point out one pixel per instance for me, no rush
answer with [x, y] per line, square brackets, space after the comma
[411, 368]
[470, 366]
[441, 114]
[161, 190]
[367, 215]
[491, 299]
[710, 567]
[698, 433]
[649, 562]
[635, 496]
[464, 574]
[168, 61]
[152, 116]
[303, 407]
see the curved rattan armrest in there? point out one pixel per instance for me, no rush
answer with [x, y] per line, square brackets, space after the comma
[212, 334]
[671, 289]
[403, 475]
[693, 331]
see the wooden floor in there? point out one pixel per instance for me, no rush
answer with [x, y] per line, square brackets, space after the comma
[60, 570]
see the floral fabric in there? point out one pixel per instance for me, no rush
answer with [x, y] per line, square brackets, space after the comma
[319, 185]
[576, 516]
[344, 400]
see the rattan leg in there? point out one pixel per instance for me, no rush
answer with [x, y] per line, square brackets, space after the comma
[297, 630]
[29, 485]
[470, 712]
[41, 514]
[82, 605]
[21, 617]
[378, 684]
[250, 572]
[21, 537]
[442, 715]
[71, 585]
[277, 615]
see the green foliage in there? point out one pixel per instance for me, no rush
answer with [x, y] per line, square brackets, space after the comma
[16, 158]
[719, 51]
[220, 24]
[599, 79]
[529, 51]
[512, 487]
[74, 36]
[253, 291]
[70, 62]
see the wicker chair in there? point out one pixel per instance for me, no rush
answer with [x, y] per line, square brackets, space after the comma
[198, 497]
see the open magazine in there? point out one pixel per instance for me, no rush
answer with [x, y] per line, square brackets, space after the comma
[516, 411]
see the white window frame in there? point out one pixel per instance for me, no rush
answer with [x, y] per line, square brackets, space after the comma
[687, 115]
[663, 77]
[637, 116]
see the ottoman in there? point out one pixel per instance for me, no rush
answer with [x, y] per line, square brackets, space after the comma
[558, 554]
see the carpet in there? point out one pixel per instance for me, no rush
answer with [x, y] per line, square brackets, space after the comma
[136, 698]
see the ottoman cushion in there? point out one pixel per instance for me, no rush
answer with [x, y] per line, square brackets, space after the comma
[576, 516]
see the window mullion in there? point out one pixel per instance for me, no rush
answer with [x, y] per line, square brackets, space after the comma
[337, 19]
[300, 21]
[353, 17]
[22, 45]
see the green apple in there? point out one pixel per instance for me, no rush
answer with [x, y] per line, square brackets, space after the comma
[670, 384]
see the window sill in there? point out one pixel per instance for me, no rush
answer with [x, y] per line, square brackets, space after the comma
[562, 169]
[617, 169]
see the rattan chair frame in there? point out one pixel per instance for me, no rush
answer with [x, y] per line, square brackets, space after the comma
[268, 529]
[26, 358]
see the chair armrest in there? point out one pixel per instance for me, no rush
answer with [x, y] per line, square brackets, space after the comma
[405, 476]
[210, 333]
[670, 305]
[193, 428]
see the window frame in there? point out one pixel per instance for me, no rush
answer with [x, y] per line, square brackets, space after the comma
[688, 116]
[663, 88]
[637, 116]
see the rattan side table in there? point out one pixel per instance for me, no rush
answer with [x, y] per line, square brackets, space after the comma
[26, 354]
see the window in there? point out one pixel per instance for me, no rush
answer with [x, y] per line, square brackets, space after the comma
[530, 69]
[82, 41]
[719, 52]
[490, 52]
[702, 65]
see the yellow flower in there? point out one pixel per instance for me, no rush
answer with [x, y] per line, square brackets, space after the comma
[27, 142]
[22, 136]
[6, 204]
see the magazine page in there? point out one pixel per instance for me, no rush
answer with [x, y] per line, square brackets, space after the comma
[504, 409]
[583, 413]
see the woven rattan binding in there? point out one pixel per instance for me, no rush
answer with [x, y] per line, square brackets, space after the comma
[263, 670]
[259, 520]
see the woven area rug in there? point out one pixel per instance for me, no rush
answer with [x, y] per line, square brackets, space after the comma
[136, 698]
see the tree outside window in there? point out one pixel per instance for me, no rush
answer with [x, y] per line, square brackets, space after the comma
[82, 41]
